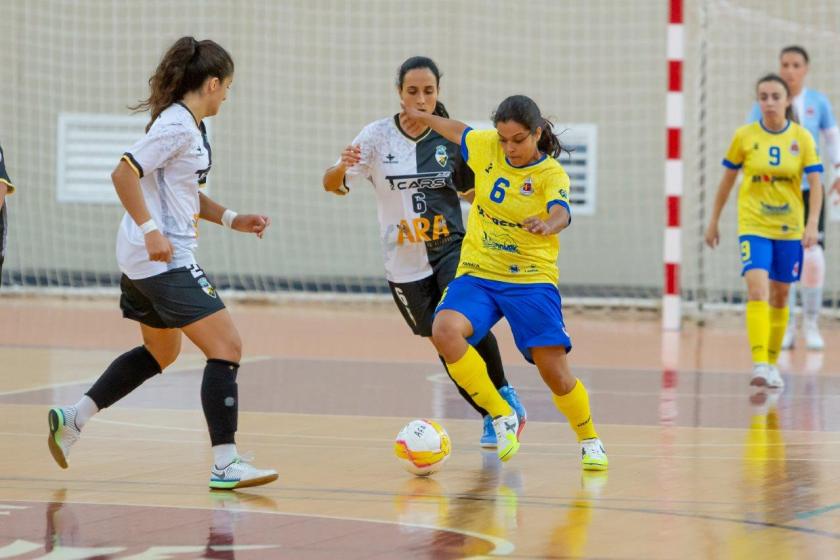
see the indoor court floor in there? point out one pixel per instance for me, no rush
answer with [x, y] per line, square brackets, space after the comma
[700, 467]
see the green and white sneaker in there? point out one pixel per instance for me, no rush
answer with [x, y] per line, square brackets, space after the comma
[507, 436]
[240, 474]
[593, 456]
[63, 433]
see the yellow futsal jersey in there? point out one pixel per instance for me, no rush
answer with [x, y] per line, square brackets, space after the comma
[770, 197]
[496, 246]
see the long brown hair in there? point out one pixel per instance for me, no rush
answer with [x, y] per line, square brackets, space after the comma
[182, 69]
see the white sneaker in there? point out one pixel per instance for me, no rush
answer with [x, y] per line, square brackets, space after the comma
[63, 433]
[790, 335]
[774, 378]
[240, 474]
[759, 375]
[593, 456]
[507, 435]
[813, 338]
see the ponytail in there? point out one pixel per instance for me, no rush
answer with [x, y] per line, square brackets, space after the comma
[184, 68]
[523, 110]
[440, 110]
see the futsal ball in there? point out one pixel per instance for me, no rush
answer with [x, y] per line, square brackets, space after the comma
[422, 447]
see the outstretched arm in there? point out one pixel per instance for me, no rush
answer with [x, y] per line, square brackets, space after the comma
[450, 129]
[212, 211]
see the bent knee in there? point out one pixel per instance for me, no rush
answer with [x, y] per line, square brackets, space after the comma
[165, 357]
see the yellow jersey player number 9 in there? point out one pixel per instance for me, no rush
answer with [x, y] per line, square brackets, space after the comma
[773, 153]
[508, 267]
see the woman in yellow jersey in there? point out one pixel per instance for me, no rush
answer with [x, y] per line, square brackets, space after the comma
[508, 267]
[774, 153]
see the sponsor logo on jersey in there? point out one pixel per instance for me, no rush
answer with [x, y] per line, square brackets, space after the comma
[496, 221]
[772, 179]
[489, 168]
[527, 187]
[441, 155]
[467, 264]
[514, 269]
[431, 180]
[503, 243]
[421, 230]
[390, 159]
[532, 268]
[794, 148]
[564, 194]
[771, 210]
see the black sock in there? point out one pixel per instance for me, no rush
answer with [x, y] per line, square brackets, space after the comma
[488, 349]
[125, 374]
[463, 393]
[220, 400]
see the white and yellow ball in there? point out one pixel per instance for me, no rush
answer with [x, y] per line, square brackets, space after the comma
[422, 447]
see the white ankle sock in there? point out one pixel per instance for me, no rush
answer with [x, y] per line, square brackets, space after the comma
[223, 455]
[85, 409]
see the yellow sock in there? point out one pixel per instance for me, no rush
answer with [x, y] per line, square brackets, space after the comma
[575, 406]
[778, 325]
[470, 373]
[758, 329]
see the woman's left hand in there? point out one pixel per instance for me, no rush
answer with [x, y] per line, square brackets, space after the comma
[251, 223]
[811, 236]
[536, 225]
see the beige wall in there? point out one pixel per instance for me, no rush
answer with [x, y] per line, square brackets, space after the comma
[309, 75]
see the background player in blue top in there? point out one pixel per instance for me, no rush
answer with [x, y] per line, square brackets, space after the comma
[812, 110]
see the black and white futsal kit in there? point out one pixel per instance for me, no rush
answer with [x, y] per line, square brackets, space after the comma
[416, 181]
[172, 161]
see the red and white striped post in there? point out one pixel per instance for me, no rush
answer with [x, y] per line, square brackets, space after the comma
[674, 119]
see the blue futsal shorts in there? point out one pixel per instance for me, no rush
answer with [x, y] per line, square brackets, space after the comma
[782, 259]
[533, 311]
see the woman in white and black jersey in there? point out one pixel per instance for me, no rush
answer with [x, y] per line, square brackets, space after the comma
[163, 288]
[417, 175]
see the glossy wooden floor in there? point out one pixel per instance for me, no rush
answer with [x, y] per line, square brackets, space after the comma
[700, 468]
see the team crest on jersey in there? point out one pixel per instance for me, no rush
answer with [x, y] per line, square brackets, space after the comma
[207, 287]
[794, 148]
[527, 187]
[441, 156]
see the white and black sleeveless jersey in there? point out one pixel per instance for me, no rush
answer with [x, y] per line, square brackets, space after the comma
[173, 161]
[415, 180]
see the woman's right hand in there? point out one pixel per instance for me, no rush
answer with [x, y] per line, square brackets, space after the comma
[350, 156]
[712, 235]
[158, 246]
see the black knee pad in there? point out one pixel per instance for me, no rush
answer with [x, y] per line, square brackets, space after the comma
[220, 400]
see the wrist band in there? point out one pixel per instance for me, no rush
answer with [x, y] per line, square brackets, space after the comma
[148, 227]
[228, 217]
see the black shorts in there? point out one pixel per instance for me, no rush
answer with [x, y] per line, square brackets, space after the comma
[417, 300]
[821, 228]
[171, 300]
